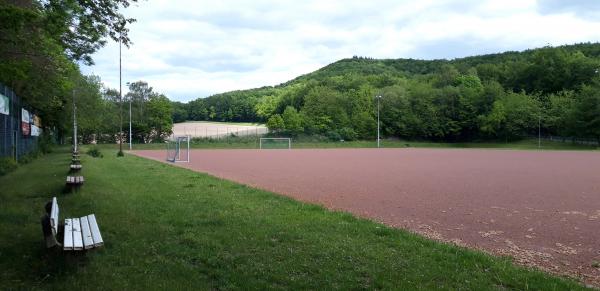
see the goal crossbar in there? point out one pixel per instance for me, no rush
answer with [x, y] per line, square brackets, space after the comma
[262, 139]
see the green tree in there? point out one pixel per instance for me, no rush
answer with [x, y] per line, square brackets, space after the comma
[160, 120]
[325, 109]
[292, 121]
[587, 112]
[180, 112]
[266, 106]
[560, 113]
[275, 123]
[40, 43]
[513, 115]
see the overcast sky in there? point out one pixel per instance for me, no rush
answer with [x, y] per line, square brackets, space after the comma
[194, 48]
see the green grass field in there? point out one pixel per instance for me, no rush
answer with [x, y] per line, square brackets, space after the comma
[168, 228]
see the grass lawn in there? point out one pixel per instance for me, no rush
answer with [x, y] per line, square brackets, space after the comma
[170, 228]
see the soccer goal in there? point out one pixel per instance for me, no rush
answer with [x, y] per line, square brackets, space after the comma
[178, 149]
[275, 143]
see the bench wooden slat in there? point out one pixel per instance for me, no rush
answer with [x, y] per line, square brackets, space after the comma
[77, 238]
[54, 216]
[68, 242]
[95, 231]
[88, 242]
[75, 179]
[79, 233]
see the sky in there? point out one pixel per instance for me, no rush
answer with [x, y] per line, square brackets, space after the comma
[188, 49]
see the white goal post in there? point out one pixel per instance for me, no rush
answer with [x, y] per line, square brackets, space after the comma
[178, 148]
[272, 140]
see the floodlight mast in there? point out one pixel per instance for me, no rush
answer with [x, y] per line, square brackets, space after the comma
[378, 97]
[74, 124]
[120, 101]
[130, 140]
[540, 130]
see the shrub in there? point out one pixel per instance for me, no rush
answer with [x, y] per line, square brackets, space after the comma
[45, 143]
[348, 134]
[27, 158]
[7, 165]
[333, 135]
[95, 152]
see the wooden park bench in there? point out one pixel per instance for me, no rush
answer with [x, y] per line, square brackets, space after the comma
[75, 181]
[75, 167]
[77, 234]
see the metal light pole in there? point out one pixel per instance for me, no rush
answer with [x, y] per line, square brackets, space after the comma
[378, 97]
[74, 125]
[130, 140]
[121, 103]
[540, 130]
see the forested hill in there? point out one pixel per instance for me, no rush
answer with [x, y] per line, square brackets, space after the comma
[481, 97]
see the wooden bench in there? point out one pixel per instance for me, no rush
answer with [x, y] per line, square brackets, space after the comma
[75, 181]
[77, 234]
[75, 167]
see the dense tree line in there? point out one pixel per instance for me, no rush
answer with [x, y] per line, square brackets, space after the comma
[498, 96]
[98, 113]
[41, 45]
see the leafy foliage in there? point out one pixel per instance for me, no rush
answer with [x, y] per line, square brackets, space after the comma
[40, 45]
[7, 165]
[95, 152]
[497, 96]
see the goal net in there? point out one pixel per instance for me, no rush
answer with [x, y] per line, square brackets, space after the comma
[275, 143]
[178, 149]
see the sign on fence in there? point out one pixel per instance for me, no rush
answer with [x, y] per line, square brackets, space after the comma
[25, 128]
[37, 121]
[25, 115]
[4, 105]
[35, 131]
[25, 118]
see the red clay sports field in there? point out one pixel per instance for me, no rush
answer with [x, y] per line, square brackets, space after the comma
[541, 207]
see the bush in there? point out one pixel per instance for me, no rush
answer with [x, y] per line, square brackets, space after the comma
[95, 152]
[7, 165]
[27, 158]
[45, 143]
[333, 135]
[348, 134]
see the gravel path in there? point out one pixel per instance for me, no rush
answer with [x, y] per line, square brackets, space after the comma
[543, 208]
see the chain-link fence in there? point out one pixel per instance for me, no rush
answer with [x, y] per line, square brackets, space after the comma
[20, 127]
[213, 130]
[567, 139]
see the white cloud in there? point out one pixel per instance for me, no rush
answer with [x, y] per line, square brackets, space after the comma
[193, 48]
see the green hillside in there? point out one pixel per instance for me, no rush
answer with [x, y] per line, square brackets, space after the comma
[496, 96]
